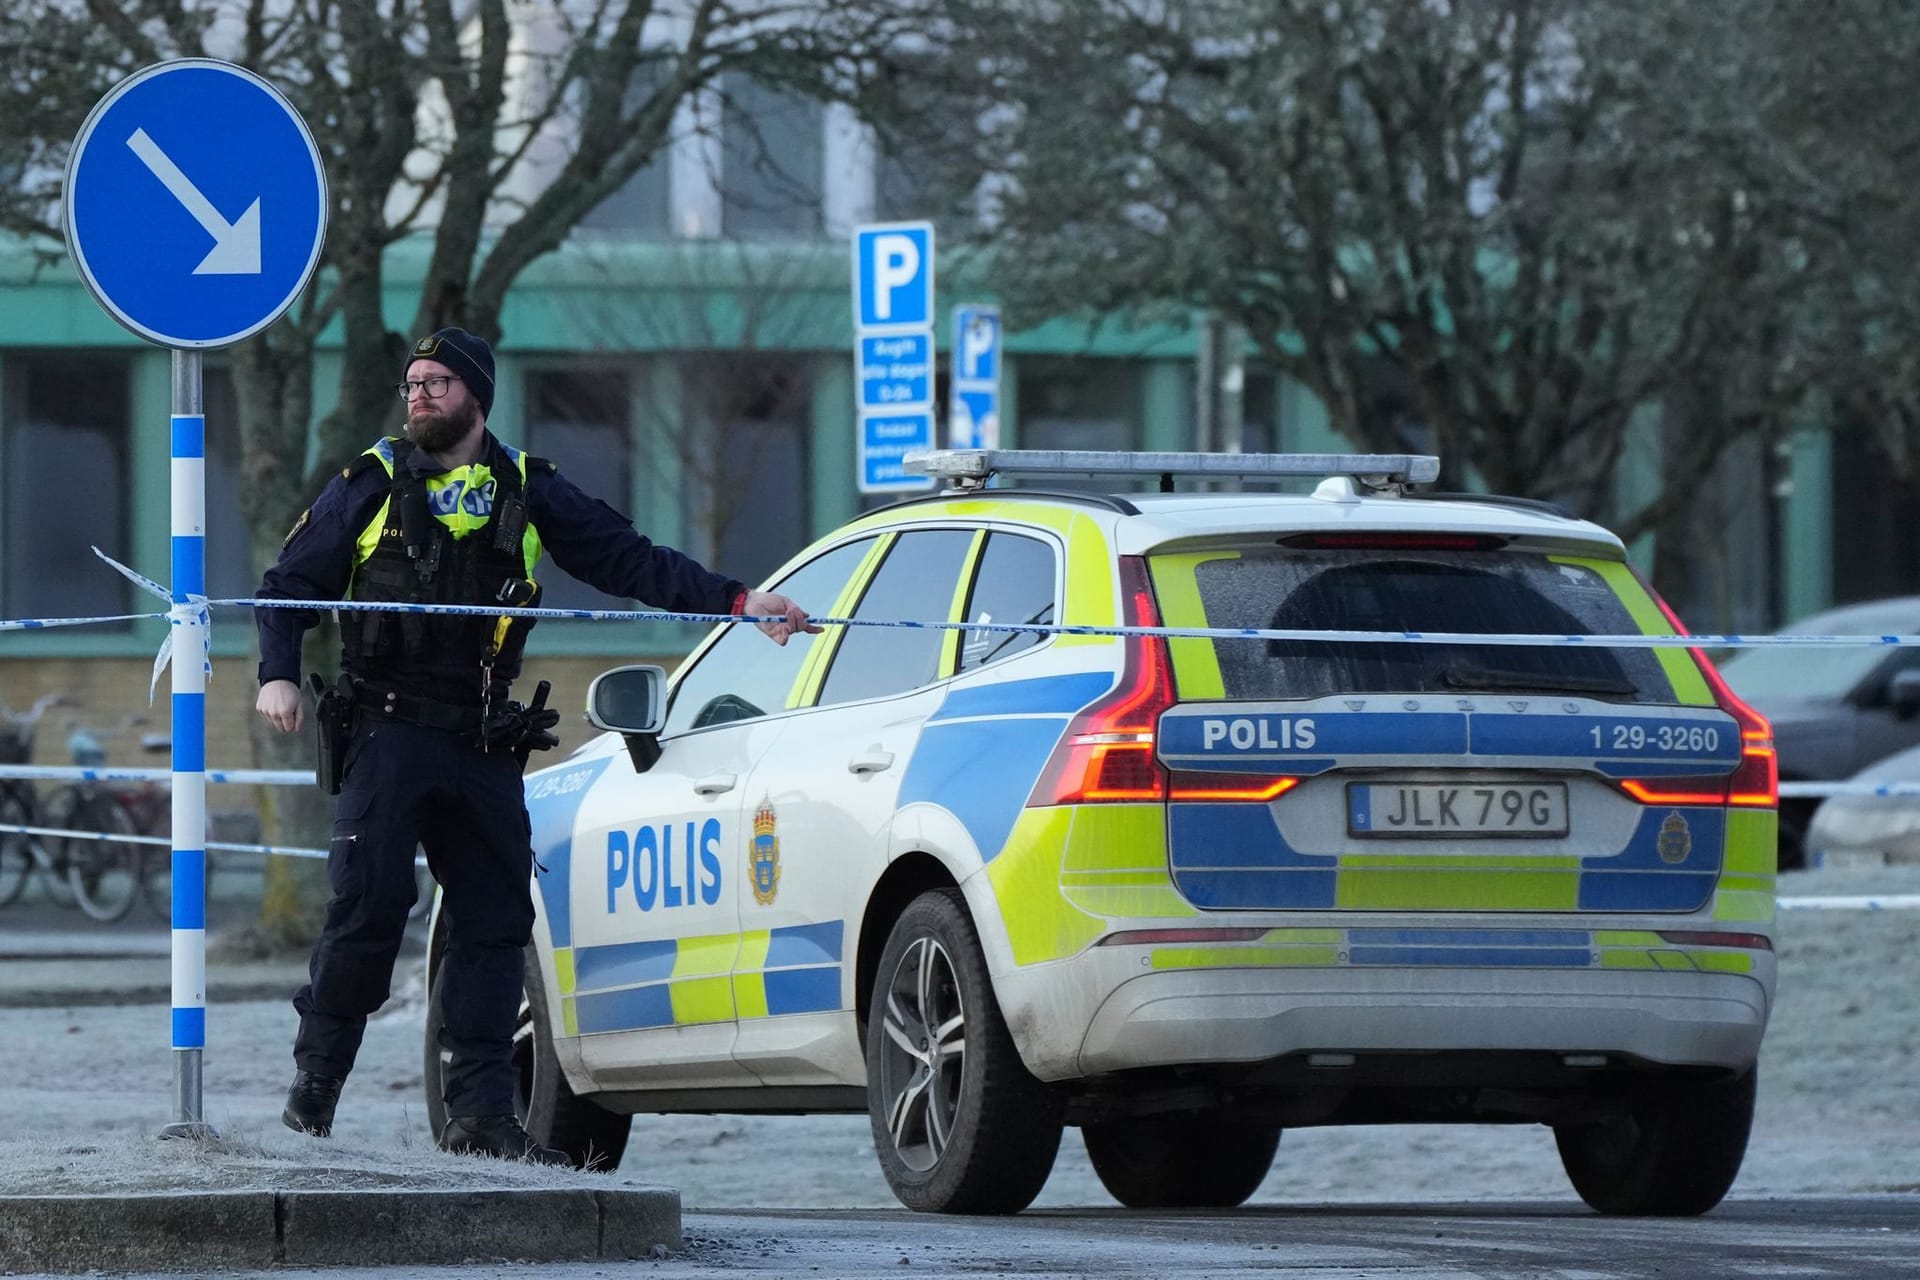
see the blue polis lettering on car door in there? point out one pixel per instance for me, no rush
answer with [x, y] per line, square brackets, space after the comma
[648, 865]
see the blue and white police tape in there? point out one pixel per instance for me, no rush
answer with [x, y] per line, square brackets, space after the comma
[1326, 635]
[45, 624]
[165, 842]
[1822, 902]
[95, 773]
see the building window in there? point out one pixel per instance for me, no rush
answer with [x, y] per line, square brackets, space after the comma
[772, 143]
[580, 420]
[67, 426]
[926, 161]
[230, 572]
[644, 204]
[742, 448]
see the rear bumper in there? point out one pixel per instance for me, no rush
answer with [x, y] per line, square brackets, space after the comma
[1190, 1017]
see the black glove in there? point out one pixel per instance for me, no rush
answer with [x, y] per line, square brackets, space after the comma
[508, 726]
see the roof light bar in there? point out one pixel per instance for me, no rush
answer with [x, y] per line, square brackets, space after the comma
[971, 468]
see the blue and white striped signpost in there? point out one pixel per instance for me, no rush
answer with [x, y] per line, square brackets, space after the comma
[196, 205]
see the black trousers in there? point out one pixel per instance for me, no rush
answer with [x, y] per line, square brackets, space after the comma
[407, 786]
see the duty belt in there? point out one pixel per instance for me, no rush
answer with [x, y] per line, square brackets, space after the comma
[385, 704]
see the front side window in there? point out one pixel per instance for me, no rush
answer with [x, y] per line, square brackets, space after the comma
[745, 675]
[1014, 583]
[915, 584]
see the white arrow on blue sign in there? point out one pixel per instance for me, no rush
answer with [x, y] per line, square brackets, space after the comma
[196, 203]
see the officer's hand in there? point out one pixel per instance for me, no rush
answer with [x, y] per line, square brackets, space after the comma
[502, 725]
[280, 703]
[778, 616]
[539, 735]
[510, 726]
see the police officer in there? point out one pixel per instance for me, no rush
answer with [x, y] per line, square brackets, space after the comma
[445, 514]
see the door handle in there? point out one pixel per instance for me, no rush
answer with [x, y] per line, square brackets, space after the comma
[714, 784]
[872, 762]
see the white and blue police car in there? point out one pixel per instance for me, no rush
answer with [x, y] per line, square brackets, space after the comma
[1179, 892]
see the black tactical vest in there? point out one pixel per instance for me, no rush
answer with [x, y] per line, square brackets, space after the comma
[417, 560]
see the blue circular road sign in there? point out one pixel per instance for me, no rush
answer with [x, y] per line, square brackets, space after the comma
[196, 203]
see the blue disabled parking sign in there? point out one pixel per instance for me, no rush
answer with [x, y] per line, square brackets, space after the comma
[196, 203]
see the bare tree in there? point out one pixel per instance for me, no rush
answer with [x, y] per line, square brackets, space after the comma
[1539, 215]
[487, 128]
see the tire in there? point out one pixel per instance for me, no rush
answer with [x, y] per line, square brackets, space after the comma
[1205, 1161]
[104, 875]
[959, 1123]
[1674, 1153]
[592, 1137]
[60, 811]
[16, 849]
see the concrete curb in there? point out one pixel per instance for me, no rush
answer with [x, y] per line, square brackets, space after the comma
[195, 1231]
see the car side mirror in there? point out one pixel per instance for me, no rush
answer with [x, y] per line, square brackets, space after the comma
[632, 702]
[1903, 691]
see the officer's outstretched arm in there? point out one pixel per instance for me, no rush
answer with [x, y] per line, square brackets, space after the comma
[778, 616]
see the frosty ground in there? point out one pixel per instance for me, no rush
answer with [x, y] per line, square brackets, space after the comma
[84, 1090]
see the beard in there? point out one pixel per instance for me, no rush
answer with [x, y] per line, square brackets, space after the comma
[439, 432]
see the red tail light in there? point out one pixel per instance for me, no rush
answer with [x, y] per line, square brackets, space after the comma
[1229, 786]
[1754, 783]
[1107, 753]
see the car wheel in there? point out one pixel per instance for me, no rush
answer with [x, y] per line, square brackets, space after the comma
[555, 1116]
[1206, 1161]
[1674, 1152]
[960, 1124]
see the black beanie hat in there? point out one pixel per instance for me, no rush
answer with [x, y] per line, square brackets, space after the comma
[466, 355]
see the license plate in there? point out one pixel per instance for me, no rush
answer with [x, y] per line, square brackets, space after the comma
[1416, 810]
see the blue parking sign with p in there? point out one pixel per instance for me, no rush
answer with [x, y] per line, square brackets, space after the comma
[976, 344]
[893, 275]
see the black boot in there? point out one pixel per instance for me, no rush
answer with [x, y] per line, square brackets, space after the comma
[497, 1136]
[310, 1103]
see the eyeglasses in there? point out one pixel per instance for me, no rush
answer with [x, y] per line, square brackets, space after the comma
[431, 388]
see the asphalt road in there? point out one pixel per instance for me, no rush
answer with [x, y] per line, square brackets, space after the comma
[1858, 1238]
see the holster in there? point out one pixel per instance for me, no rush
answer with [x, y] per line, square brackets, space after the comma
[333, 717]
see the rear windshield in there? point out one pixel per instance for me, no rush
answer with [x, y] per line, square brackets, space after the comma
[1462, 591]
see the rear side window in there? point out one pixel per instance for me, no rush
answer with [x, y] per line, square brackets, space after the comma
[1487, 591]
[1015, 583]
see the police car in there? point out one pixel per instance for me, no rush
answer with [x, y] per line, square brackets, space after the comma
[1179, 892]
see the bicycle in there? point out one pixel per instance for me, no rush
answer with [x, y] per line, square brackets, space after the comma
[23, 854]
[104, 875]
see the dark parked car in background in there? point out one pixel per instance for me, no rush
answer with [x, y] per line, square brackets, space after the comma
[1834, 711]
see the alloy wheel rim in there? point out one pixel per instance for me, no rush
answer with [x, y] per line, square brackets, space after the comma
[922, 1054]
